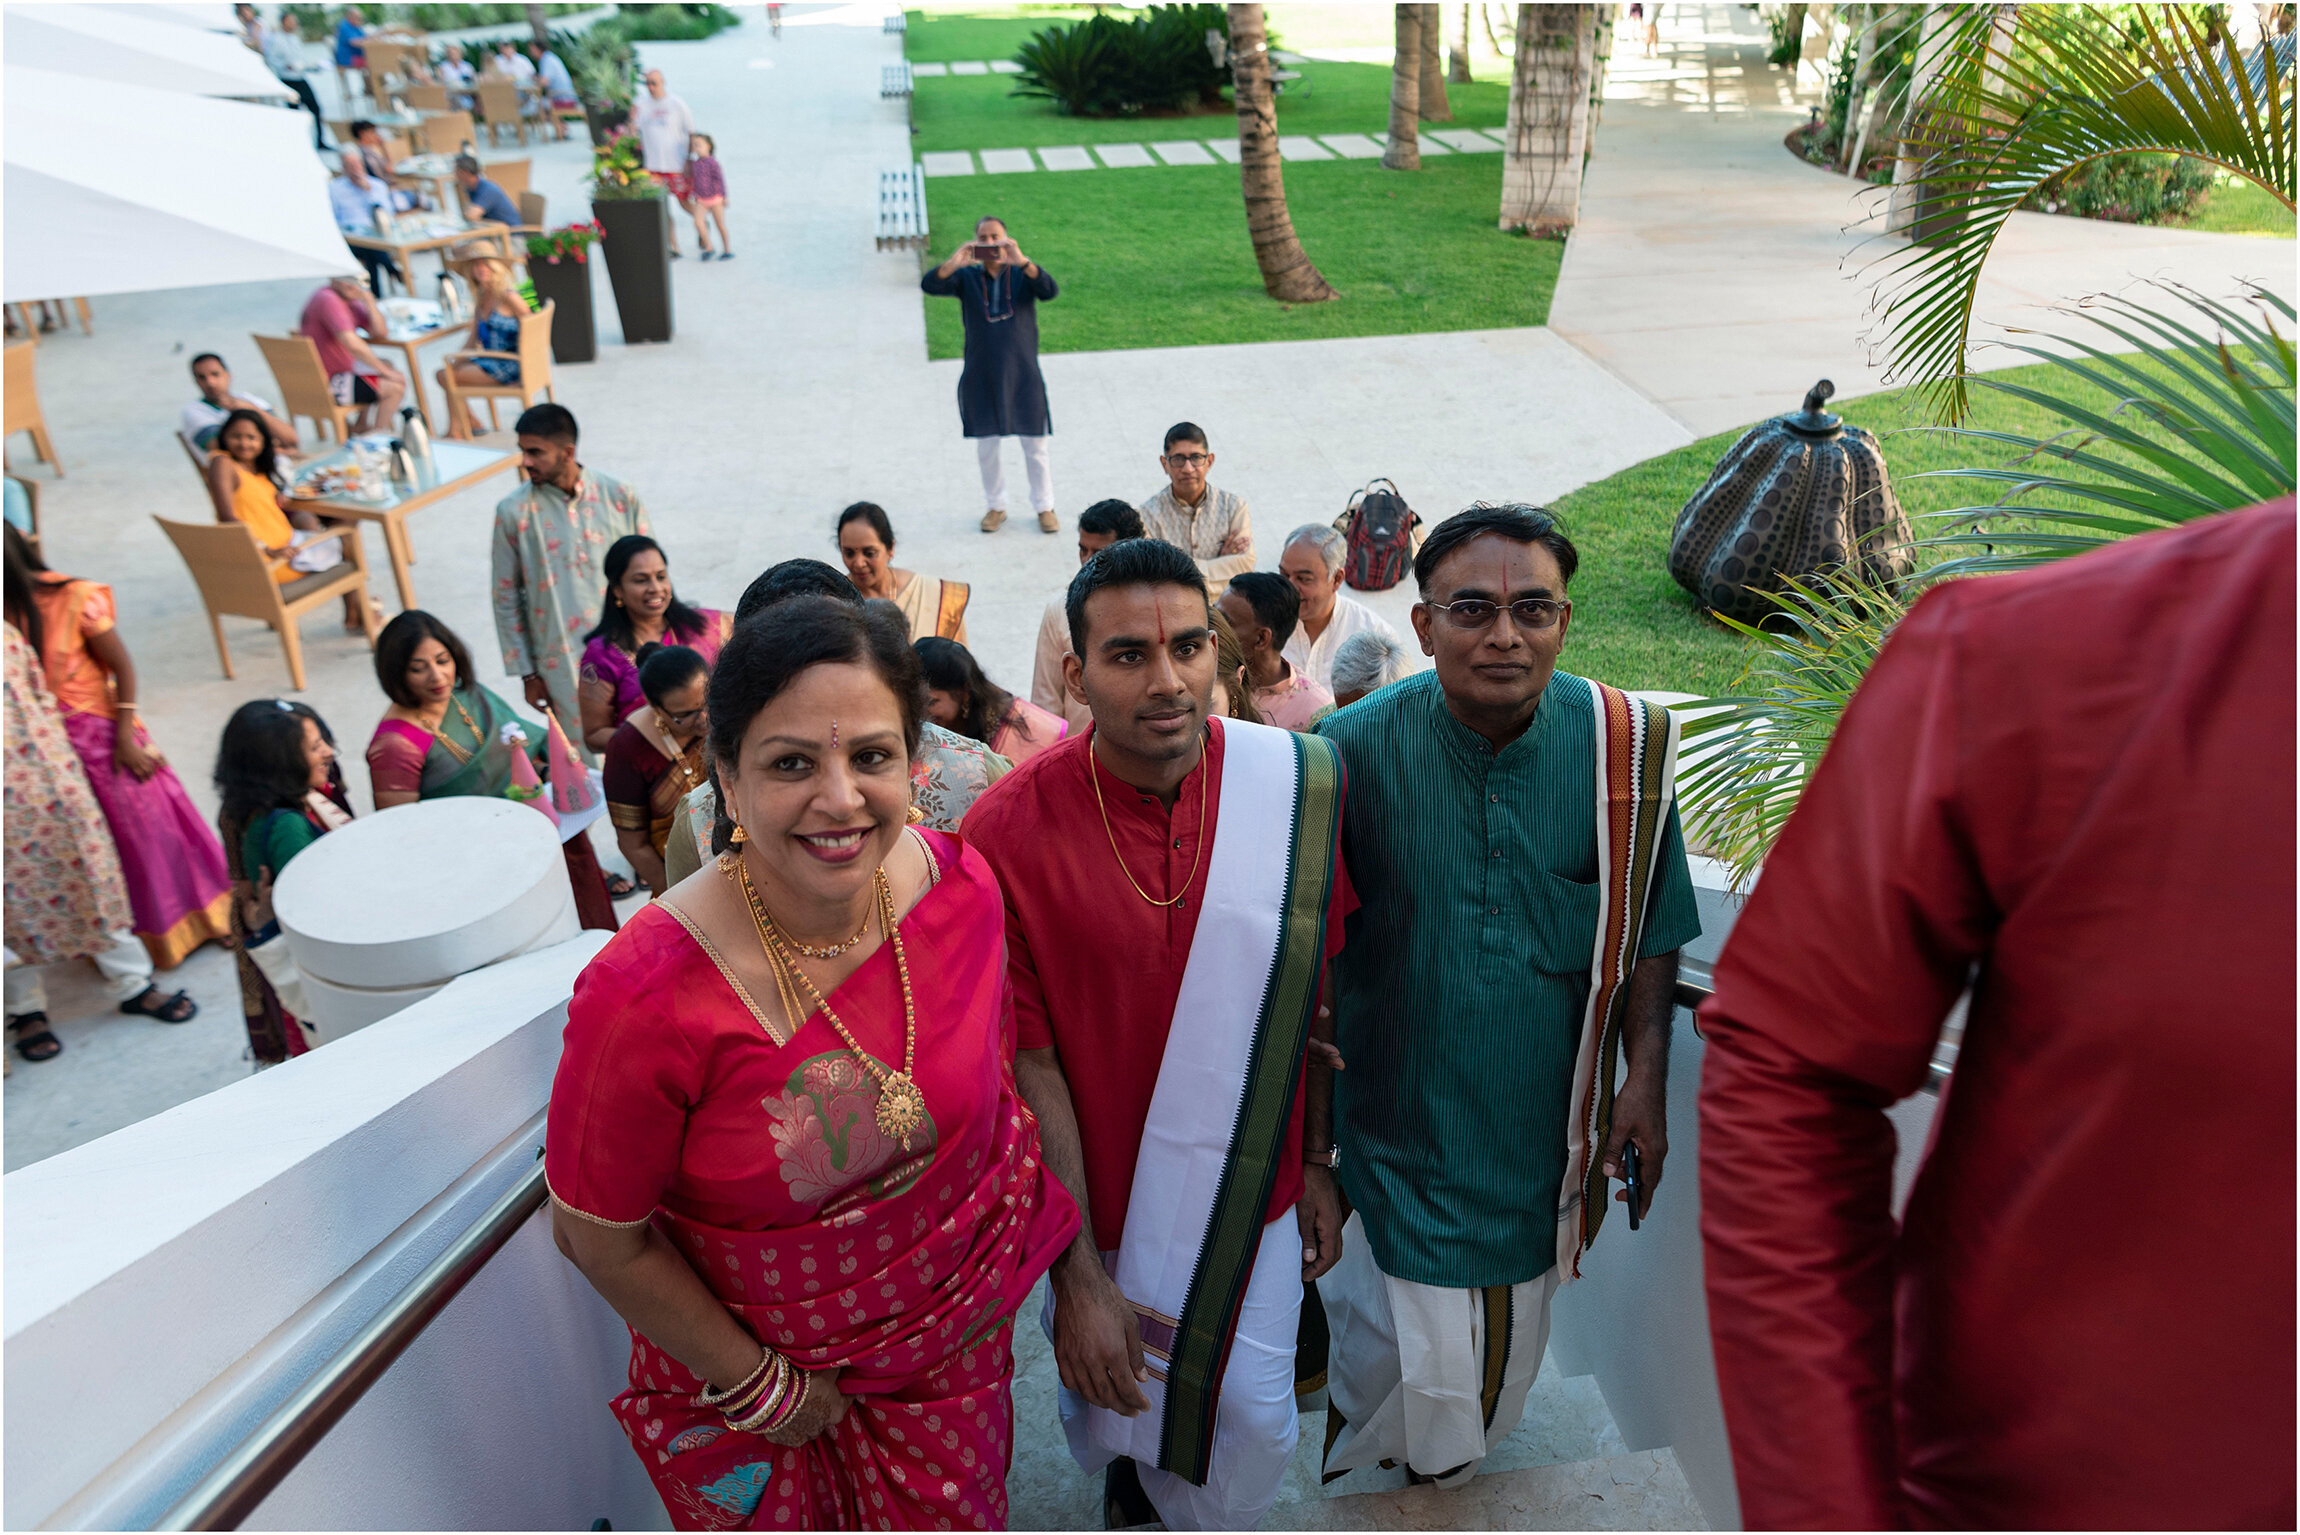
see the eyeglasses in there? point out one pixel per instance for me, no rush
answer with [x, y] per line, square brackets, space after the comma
[1189, 460]
[686, 717]
[1534, 613]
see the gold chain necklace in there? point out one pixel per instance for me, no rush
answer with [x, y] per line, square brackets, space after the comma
[901, 1106]
[470, 724]
[1094, 774]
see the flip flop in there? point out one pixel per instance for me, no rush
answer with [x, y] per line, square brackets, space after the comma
[179, 1008]
[40, 1046]
[629, 887]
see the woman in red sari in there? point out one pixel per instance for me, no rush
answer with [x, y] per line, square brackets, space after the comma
[785, 1143]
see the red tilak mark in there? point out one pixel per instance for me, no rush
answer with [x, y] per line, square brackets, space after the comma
[1161, 628]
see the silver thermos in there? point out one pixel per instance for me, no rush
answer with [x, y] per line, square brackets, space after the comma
[402, 463]
[415, 434]
[450, 298]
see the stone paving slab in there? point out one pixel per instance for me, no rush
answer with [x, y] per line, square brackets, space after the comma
[970, 67]
[1123, 156]
[1465, 140]
[1226, 149]
[999, 162]
[1066, 157]
[949, 162]
[1353, 146]
[1182, 152]
[1428, 145]
[929, 71]
[1005, 67]
[1300, 146]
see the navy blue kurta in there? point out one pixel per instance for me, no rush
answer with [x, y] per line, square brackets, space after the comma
[1000, 392]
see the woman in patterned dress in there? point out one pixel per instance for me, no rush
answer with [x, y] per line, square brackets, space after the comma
[785, 1142]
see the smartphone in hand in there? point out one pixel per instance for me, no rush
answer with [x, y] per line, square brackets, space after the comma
[1632, 1168]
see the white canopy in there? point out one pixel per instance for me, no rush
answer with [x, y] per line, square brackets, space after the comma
[121, 189]
[159, 51]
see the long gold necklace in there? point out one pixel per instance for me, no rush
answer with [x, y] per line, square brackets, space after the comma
[901, 1106]
[470, 724]
[1093, 773]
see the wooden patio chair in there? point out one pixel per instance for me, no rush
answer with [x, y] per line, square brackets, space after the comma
[302, 382]
[514, 176]
[445, 133]
[531, 206]
[499, 105]
[32, 500]
[560, 117]
[235, 579]
[427, 98]
[20, 404]
[534, 359]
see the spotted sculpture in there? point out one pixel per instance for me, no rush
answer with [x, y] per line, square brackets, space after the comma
[1798, 496]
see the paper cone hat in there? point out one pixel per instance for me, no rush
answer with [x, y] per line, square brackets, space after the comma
[570, 780]
[524, 784]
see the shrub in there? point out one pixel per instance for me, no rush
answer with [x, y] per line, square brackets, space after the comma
[1104, 67]
[673, 23]
[571, 242]
[2128, 189]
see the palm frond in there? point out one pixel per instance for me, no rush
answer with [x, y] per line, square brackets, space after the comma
[2026, 93]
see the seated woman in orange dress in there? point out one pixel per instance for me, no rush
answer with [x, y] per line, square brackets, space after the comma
[243, 477]
[785, 1142]
[960, 698]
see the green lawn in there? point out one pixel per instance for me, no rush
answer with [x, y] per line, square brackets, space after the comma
[981, 111]
[2241, 207]
[1159, 256]
[1635, 627]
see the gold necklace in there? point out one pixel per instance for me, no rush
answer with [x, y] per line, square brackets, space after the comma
[1198, 852]
[901, 1106]
[470, 724]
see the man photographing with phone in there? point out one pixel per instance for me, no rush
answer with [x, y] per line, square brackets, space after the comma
[1000, 391]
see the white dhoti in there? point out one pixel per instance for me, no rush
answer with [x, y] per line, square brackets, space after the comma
[1255, 1424]
[1426, 1378]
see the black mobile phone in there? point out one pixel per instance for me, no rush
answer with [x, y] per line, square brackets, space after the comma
[987, 251]
[1632, 1168]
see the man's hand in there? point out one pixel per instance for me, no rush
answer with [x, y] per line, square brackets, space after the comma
[1011, 254]
[1320, 1214]
[825, 1404]
[538, 695]
[963, 256]
[1640, 1114]
[1097, 1341]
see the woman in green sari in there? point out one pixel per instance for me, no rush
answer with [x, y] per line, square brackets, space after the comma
[445, 734]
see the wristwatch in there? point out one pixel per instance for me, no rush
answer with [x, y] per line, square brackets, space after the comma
[1331, 1157]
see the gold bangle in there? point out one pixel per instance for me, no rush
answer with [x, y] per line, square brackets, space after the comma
[126, 704]
[708, 1398]
[768, 1401]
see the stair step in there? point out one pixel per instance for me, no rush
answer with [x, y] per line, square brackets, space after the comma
[1635, 1490]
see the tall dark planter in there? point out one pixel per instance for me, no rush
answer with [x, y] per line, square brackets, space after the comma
[637, 238]
[567, 283]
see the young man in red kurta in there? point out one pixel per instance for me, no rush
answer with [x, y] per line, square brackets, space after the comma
[1105, 845]
[2075, 786]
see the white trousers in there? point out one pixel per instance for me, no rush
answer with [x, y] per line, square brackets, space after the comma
[1255, 1427]
[125, 967]
[1037, 461]
[1426, 1378]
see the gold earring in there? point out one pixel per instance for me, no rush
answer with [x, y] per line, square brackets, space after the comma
[914, 816]
[738, 837]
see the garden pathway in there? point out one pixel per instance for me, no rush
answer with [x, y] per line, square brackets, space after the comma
[1719, 275]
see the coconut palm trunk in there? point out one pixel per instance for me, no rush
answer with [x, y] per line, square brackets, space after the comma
[1405, 149]
[1457, 68]
[539, 24]
[1287, 272]
[1433, 107]
[1549, 117]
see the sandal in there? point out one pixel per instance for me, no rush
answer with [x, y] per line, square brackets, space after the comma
[619, 887]
[354, 626]
[179, 1008]
[40, 1046]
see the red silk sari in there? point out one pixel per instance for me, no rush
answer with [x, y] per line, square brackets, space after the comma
[761, 1161]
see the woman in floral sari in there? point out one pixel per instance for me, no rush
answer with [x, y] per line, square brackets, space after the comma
[785, 1142]
[445, 734]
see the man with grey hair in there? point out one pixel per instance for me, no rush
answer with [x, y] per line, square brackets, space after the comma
[1314, 558]
[1364, 662]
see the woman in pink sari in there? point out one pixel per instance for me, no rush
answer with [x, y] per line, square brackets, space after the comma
[785, 1142]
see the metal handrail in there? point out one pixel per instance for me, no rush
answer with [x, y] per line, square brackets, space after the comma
[1691, 994]
[246, 1476]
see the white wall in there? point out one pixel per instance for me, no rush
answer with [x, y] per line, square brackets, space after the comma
[169, 1284]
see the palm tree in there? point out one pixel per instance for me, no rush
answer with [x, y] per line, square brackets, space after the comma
[1287, 272]
[2027, 93]
[1457, 68]
[1432, 107]
[1550, 93]
[1405, 151]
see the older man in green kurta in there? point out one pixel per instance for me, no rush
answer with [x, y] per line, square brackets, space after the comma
[550, 545]
[1503, 818]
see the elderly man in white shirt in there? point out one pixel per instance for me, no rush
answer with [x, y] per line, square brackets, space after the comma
[665, 126]
[1214, 527]
[1314, 559]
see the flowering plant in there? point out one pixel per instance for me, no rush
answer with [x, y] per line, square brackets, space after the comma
[569, 243]
[618, 173]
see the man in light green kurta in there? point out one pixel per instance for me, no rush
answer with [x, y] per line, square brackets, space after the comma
[551, 540]
[1471, 834]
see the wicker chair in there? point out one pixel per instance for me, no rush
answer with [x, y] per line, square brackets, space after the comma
[534, 359]
[235, 579]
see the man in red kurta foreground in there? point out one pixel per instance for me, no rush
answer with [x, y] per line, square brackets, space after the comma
[2074, 784]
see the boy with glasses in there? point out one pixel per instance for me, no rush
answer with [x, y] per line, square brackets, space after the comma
[1214, 527]
[1477, 1123]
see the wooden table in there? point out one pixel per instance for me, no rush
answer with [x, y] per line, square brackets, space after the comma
[410, 341]
[405, 242]
[454, 466]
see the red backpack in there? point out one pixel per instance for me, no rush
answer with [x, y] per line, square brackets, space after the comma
[1380, 528]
